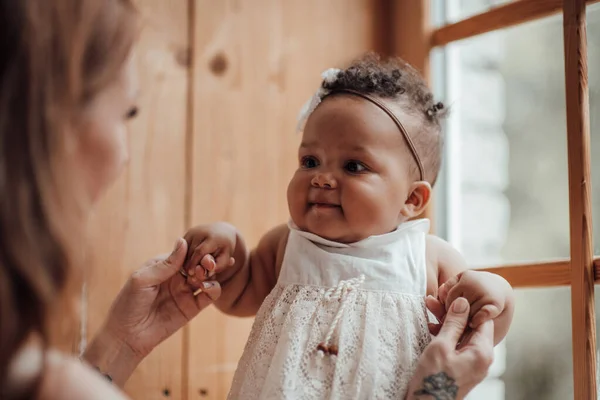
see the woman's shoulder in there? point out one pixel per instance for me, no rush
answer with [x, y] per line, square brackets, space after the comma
[68, 378]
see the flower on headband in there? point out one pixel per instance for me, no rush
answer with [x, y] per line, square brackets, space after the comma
[329, 76]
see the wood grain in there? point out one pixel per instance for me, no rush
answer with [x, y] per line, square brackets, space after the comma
[411, 33]
[144, 213]
[542, 274]
[189, 175]
[255, 62]
[580, 202]
[409, 39]
[504, 16]
[555, 273]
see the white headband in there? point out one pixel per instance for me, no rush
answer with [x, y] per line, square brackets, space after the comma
[328, 76]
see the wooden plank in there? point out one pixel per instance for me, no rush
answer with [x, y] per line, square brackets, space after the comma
[543, 274]
[189, 175]
[500, 17]
[556, 273]
[383, 22]
[255, 62]
[409, 37]
[411, 32]
[580, 202]
[144, 213]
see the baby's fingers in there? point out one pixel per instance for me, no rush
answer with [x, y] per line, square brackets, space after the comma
[485, 313]
[203, 271]
[198, 255]
[434, 329]
[446, 288]
[209, 264]
[223, 261]
[438, 311]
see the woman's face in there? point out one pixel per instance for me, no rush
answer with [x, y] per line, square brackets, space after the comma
[102, 149]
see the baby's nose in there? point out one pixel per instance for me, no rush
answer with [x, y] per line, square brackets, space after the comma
[324, 181]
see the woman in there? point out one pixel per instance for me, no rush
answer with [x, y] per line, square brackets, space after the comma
[67, 90]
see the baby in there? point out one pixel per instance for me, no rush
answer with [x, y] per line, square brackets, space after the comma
[339, 292]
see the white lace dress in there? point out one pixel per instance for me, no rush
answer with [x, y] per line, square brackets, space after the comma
[343, 322]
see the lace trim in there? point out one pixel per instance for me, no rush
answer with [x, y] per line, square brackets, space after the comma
[380, 334]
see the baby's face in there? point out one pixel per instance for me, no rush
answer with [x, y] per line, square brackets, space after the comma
[353, 178]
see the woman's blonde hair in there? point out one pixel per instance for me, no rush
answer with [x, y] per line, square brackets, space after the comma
[55, 56]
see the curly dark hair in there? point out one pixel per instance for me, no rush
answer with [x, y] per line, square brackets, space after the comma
[395, 79]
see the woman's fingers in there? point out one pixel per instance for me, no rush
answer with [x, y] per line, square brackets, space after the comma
[193, 245]
[477, 351]
[435, 307]
[481, 337]
[156, 273]
[485, 313]
[207, 293]
[459, 370]
[455, 322]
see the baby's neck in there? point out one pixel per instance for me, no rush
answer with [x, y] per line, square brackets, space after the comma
[355, 239]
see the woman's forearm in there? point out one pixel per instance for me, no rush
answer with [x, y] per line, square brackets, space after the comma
[112, 357]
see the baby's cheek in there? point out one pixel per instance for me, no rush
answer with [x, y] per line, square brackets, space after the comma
[297, 205]
[369, 215]
[380, 212]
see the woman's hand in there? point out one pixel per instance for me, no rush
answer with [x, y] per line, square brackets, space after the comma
[210, 250]
[154, 303]
[448, 369]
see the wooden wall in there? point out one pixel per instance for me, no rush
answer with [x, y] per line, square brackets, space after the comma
[144, 212]
[222, 82]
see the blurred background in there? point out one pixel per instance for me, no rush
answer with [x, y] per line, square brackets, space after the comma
[505, 196]
[222, 82]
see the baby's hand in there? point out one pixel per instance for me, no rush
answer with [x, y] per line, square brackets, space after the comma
[210, 249]
[486, 292]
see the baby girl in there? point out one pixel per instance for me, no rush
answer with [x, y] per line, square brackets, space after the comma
[339, 292]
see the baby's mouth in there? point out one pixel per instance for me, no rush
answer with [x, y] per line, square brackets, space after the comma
[324, 206]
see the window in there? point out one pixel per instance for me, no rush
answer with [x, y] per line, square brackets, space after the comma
[505, 194]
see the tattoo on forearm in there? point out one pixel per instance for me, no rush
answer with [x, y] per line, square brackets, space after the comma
[439, 386]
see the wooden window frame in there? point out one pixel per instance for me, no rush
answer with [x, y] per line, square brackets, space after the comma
[581, 271]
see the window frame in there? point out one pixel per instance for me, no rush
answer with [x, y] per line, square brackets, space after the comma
[580, 272]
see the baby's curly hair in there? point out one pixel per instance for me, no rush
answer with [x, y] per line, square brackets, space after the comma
[397, 80]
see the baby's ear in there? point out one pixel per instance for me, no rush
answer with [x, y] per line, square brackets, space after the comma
[418, 198]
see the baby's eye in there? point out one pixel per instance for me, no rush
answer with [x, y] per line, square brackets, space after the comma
[355, 167]
[309, 162]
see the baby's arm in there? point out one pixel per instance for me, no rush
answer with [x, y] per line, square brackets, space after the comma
[490, 296]
[252, 274]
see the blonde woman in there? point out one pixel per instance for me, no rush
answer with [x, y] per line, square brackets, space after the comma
[67, 90]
